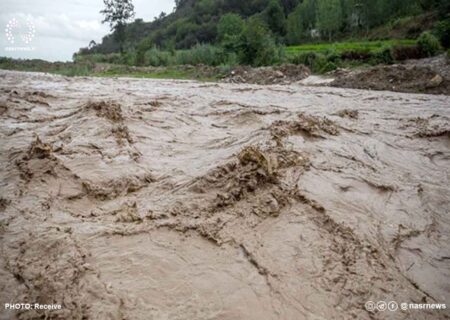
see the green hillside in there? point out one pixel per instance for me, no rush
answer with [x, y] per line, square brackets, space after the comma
[289, 22]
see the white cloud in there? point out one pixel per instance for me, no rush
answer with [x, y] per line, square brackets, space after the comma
[63, 27]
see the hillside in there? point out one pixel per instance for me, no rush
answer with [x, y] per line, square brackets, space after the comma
[286, 21]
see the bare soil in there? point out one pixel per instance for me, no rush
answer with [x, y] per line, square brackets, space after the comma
[431, 76]
[284, 74]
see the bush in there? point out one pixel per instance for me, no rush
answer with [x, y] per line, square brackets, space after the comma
[317, 62]
[333, 56]
[329, 66]
[129, 58]
[384, 55]
[113, 58]
[157, 58]
[306, 58]
[429, 44]
[201, 54]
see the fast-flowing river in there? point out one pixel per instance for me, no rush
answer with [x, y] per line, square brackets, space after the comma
[163, 199]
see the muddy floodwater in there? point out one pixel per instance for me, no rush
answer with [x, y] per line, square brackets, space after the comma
[161, 199]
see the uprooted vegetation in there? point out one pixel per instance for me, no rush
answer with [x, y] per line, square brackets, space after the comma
[37, 160]
[248, 188]
[347, 113]
[106, 109]
[430, 127]
[112, 111]
[254, 169]
[113, 188]
[307, 125]
[39, 150]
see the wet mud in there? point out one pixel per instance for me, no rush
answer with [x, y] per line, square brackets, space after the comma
[430, 76]
[158, 199]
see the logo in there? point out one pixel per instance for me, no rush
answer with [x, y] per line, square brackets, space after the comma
[392, 306]
[20, 32]
[381, 306]
[370, 306]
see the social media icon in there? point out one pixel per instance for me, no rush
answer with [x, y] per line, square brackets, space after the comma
[370, 306]
[392, 306]
[381, 306]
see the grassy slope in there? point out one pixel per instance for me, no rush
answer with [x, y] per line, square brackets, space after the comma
[340, 47]
[105, 70]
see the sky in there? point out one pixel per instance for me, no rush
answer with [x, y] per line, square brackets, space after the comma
[54, 30]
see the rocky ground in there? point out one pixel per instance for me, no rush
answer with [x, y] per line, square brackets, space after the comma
[162, 199]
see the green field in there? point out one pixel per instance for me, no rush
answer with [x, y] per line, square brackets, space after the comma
[166, 73]
[339, 47]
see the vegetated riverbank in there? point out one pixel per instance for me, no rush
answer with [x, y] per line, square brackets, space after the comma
[430, 75]
[87, 68]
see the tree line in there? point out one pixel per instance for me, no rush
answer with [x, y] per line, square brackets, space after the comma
[290, 22]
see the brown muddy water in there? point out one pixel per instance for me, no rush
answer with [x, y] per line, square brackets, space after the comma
[158, 199]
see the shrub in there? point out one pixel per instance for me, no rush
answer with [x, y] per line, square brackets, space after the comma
[333, 56]
[317, 62]
[384, 55]
[129, 58]
[157, 58]
[306, 58]
[113, 58]
[201, 54]
[429, 44]
[329, 66]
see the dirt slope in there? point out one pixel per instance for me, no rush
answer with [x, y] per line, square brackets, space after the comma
[431, 76]
[147, 199]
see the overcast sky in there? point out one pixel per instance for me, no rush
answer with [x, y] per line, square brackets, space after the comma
[61, 27]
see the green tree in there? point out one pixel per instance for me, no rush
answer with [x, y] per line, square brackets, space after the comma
[230, 25]
[443, 32]
[117, 13]
[275, 18]
[229, 31]
[429, 44]
[309, 13]
[295, 26]
[371, 13]
[329, 16]
[258, 47]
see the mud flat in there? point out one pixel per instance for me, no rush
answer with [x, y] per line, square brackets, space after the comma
[151, 199]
